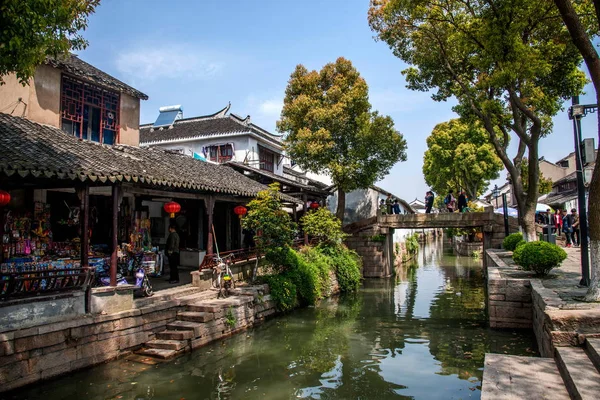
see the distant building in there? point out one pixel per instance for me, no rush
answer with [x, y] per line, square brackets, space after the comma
[418, 206]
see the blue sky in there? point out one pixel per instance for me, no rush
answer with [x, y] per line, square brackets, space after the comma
[203, 54]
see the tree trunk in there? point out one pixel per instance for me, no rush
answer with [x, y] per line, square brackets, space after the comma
[592, 61]
[341, 205]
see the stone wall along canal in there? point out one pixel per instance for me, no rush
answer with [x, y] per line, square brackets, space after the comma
[421, 335]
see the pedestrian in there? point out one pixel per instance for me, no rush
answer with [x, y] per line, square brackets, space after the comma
[396, 207]
[547, 216]
[567, 227]
[557, 219]
[382, 207]
[462, 201]
[389, 202]
[429, 197]
[576, 235]
[173, 254]
[450, 201]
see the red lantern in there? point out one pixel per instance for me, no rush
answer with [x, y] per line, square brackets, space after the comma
[172, 208]
[4, 198]
[240, 211]
[314, 205]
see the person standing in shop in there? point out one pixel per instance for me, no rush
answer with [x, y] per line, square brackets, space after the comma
[173, 254]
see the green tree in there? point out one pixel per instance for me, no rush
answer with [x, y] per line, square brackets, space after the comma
[582, 19]
[459, 155]
[545, 184]
[324, 226]
[32, 30]
[273, 226]
[331, 129]
[510, 65]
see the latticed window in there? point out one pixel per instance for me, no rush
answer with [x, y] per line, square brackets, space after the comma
[267, 159]
[89, 112]
[220, 154]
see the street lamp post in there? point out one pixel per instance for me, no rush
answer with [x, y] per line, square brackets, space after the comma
[576, 112]
[495, 194]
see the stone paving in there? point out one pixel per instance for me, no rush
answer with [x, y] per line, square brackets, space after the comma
[564, 281]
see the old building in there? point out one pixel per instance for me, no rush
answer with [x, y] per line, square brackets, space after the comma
[78, 98]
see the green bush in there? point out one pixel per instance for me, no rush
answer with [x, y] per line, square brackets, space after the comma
[323, 225]
[347, 264]
[539, 257]
[511, 242]
[283, 291]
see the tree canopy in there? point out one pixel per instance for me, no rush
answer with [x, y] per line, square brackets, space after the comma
[331, 129]
[460, 156]
[35, 29]
[545, 184]
[509, 63]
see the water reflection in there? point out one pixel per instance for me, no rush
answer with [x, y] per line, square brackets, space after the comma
[422, 335]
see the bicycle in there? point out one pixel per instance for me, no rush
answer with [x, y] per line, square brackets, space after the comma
[222, 276]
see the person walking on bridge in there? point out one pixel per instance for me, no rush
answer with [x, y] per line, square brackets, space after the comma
[429, 197]
[450, 201]
[462, 201]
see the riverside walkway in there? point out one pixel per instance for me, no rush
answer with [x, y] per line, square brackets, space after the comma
[568, 332]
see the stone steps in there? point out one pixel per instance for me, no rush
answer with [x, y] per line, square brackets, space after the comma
[579, 373]
[186, 326]
[516, 378]
[175, 335]
[592, 348]
[573, 374]
[158, 353]
[194, 316]
[167, 344]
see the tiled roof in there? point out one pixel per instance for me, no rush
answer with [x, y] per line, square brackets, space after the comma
[278, 178]
[77, 67]
[30, 149]
[214, 125]
[560, 198]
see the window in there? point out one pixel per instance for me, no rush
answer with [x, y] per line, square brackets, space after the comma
[220, 154]
[89, 112]
[267, 159]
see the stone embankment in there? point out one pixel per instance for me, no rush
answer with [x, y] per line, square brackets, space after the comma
[164, 326]
[567, 332]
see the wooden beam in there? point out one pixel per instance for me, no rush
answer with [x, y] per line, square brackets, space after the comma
[84, 214]
[115, 227]
[210, 206]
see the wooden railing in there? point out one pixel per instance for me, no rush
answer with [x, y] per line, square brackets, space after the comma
[31, 283]
[240, 255]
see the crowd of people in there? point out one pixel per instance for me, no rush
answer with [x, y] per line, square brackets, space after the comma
[389, 206]
[561, 221]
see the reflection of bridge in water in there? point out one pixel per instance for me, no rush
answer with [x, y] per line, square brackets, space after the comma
[378, 255]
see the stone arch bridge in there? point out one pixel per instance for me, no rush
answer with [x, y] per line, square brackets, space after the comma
[378, 255]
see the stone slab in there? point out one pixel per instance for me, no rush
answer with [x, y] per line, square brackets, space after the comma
[580, 375]
[518, 378]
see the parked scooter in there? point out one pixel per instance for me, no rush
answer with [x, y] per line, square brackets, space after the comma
[142, 283]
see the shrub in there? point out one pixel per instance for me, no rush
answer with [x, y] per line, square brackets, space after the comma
[283, 291]
[323, 225]
[539, 257]
[511, 242]
[412, 244]
[347, 264]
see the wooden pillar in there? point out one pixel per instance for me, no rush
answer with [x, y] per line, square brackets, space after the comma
[115, 228]
[304, 200]
[294, 212]
[84, 214]
[2, 222]
[210, 206]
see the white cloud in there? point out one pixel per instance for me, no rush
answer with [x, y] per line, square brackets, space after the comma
[167, 62]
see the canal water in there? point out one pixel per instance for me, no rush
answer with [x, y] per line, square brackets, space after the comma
[421, 335]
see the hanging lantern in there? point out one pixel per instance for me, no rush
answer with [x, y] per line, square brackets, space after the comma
[4, 198]
[314, 205]
[240, 211]
[172, 208]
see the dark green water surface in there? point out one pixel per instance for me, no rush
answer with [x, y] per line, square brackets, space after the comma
[422, 335]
